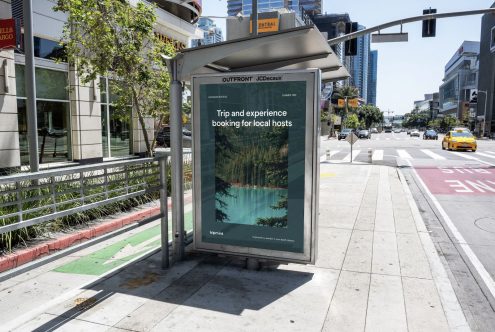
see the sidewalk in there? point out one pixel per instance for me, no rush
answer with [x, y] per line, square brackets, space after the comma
[377, 270]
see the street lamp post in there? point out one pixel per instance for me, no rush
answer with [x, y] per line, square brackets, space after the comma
[484, 114]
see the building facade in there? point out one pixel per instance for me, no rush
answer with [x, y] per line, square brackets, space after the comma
[485, 106]
[372, 77]
[211, 33]
[460, 81]
[245, 7]
[75, 122]
[359, 65]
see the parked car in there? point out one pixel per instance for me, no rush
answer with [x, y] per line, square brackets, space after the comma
[459, 140]
[414, 133]
[163, 137]
[397, 130]
[343, 134]
[364, 134]
[409, 131]
[374, 131]
[430, 134]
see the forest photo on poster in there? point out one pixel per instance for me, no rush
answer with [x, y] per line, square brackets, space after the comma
[251, 175]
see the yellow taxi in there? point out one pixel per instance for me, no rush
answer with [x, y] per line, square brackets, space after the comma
[459, 140]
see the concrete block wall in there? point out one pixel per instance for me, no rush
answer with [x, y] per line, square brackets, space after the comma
[86, 138]
[9, 133]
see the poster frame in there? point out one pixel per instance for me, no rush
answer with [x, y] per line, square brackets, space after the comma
[311, 161]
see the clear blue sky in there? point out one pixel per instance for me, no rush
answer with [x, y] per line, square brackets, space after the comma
[406, 71]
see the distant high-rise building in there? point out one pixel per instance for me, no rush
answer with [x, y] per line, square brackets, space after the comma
[245, 7]
[211, 33]
[460, 81]
[372, 77]
[359, 65]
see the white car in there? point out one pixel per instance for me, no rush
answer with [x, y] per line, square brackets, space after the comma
[415, 133]
[374, 131]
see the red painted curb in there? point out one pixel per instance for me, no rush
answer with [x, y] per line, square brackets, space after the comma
[24, 256]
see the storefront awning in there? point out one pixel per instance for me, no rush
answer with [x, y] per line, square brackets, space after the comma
[297, 48]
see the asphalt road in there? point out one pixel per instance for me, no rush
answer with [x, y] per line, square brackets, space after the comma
[455, 192]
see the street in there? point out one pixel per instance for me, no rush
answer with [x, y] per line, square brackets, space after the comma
[455, 193]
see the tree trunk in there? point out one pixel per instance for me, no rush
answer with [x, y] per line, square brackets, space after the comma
[143, 125]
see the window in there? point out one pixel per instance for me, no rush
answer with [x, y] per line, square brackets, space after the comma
[492, 40]
[116, 128]
[52, 104]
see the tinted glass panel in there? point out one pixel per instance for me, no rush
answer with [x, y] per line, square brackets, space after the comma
[53, 131]
[50, 84]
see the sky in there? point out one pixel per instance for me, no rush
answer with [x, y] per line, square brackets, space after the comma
[406, 71]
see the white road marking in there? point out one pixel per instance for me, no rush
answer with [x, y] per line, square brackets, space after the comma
[378, 155]
[332, 153]
[470, 157]
[485, 155]
[491, 152]
[487, 279]
[403, 154]
[433, 154]
[354, 155]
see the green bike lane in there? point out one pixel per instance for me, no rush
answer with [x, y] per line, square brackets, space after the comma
[117, 254]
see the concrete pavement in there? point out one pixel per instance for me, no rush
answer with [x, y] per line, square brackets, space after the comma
[377, 270]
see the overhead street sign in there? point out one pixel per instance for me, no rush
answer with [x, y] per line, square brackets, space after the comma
[351, 138]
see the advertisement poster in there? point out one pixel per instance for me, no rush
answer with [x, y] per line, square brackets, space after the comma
[253, 162]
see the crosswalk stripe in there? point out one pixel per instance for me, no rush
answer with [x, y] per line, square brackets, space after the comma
[433, 154]
[403, 154]
[354, 155]
[377, 155]
[463, 155]
[485, 155]
[332, 153]
[490, 152]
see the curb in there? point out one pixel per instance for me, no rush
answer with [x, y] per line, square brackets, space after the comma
[14, 260]
[451, 306]
[24, 256]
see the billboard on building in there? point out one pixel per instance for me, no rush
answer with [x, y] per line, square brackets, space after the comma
[256, 164]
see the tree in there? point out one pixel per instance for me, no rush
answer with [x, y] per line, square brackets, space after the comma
[351, 121]
[369, 114]
[346, 93]
[116, 39]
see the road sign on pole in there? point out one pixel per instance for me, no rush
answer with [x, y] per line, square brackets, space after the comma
[351, 138]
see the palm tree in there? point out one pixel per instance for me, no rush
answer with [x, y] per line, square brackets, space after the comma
[346, 93]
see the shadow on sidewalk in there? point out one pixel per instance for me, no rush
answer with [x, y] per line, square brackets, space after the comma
[201, 281]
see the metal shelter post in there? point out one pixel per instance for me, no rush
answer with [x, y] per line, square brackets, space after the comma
[176, 162]
[255, 17]
[31, 111]
[164, 208]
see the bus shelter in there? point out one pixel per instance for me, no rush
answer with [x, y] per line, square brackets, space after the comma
[294, 49]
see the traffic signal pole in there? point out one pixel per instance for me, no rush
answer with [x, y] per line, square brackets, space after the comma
[380, 27]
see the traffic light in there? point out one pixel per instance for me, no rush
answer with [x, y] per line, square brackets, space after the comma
[429, 26]
[351, 45]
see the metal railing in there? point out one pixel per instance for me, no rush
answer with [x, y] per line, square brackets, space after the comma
[29, 199]
[33, 198]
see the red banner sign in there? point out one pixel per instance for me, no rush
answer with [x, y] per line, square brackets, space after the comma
[7, 33]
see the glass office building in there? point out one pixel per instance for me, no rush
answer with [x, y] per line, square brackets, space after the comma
[359, 65]
[75, 122]
[245, 7]
[211, 33]
[372, 77]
